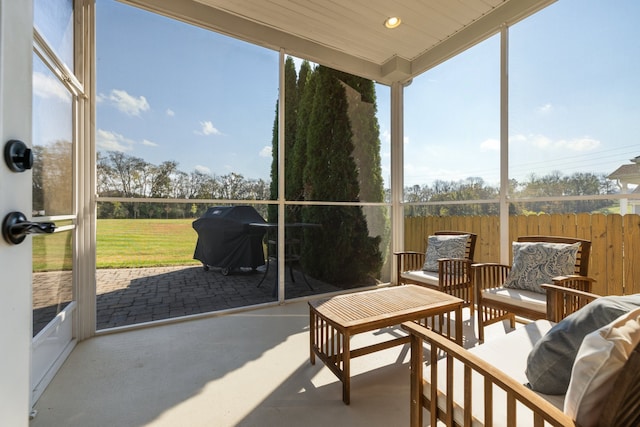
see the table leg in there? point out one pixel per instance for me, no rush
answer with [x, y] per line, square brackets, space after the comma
[346, 368]
[459, 325]
[312, 336]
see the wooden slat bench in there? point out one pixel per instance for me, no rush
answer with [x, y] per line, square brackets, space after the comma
[485, 385]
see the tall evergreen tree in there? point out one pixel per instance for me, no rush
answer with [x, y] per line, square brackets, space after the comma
[290, 109]
[306, 93]
[362, 110]
[342, 252]
[332, 153]
[272, 210]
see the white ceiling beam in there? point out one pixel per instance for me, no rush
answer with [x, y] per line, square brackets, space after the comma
[226, 23]
[395, 69]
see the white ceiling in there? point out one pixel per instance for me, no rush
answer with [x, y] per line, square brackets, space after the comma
[349, 34]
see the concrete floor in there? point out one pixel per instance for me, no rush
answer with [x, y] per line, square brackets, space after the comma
[245, 369]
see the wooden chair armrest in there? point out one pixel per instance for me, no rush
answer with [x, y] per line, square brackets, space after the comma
[454, 269]
[516, 392]
[562, 301]
[454, 278]
[400, 253]
[409, 260]
[489, 275]
[581, 283]
[484, 265]
[455, 260]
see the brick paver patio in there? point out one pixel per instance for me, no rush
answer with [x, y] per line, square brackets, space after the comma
[136, 295]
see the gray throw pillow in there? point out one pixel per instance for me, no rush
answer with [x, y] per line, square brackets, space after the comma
[444, 246]
[535, 263]
[550, 362]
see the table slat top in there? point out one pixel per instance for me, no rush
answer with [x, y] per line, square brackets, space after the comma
[367, 306]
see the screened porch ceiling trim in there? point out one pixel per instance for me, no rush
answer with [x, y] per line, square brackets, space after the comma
[350, 35]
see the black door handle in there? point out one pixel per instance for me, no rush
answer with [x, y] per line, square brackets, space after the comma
[15, 227]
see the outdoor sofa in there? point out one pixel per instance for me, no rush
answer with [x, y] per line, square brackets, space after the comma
[491, 384]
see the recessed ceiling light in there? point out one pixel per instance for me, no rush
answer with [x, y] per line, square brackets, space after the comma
[392, 22]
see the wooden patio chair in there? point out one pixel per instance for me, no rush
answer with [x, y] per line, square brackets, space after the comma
[495, 302]
[453, 276]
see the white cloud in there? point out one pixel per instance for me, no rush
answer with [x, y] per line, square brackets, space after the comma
[112, 141]
[580, 144]
[149, 143]
[428, 172]
[48, 87]
[490, 145]
[266, 151]
[170, 112]
[545, 143]
[517, 138]
[385, 136]
[203, 169]
[128, 104]
[545, 109]
[541, 141]
[207, 128]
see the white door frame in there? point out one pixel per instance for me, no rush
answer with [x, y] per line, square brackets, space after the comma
[16, 50]
[56, 340]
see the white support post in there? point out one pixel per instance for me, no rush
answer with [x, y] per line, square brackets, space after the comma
[281, 198]
[397, 166]
[504, 145]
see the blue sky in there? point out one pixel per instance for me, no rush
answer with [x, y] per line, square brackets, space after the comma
[170, 91]
[168, 96]
[574, 99]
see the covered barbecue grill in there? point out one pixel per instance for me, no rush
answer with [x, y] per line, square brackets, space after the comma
[227, 240]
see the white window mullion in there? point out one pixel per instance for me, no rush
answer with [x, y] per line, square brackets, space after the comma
[54, 63]
[504, 145]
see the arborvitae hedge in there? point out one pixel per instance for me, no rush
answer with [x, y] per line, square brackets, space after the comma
[333, 154]
[290, 123]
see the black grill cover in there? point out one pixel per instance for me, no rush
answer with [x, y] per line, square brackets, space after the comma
[226, 240]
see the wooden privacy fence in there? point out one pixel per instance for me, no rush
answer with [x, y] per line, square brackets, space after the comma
[615, 240]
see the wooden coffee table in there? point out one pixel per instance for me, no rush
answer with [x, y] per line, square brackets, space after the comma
[333, 321]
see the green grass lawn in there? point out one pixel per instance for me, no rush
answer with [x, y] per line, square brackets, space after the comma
[52, 252]
[145, 242]
[124, 243]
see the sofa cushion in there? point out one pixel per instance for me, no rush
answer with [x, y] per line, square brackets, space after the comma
[518, 343]
[535, 263]
[444, 246]
[517, 297]
[602, 355]
[549, 363]
[427, 277]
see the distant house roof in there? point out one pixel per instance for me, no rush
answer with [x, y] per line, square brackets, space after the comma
[628, 173]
